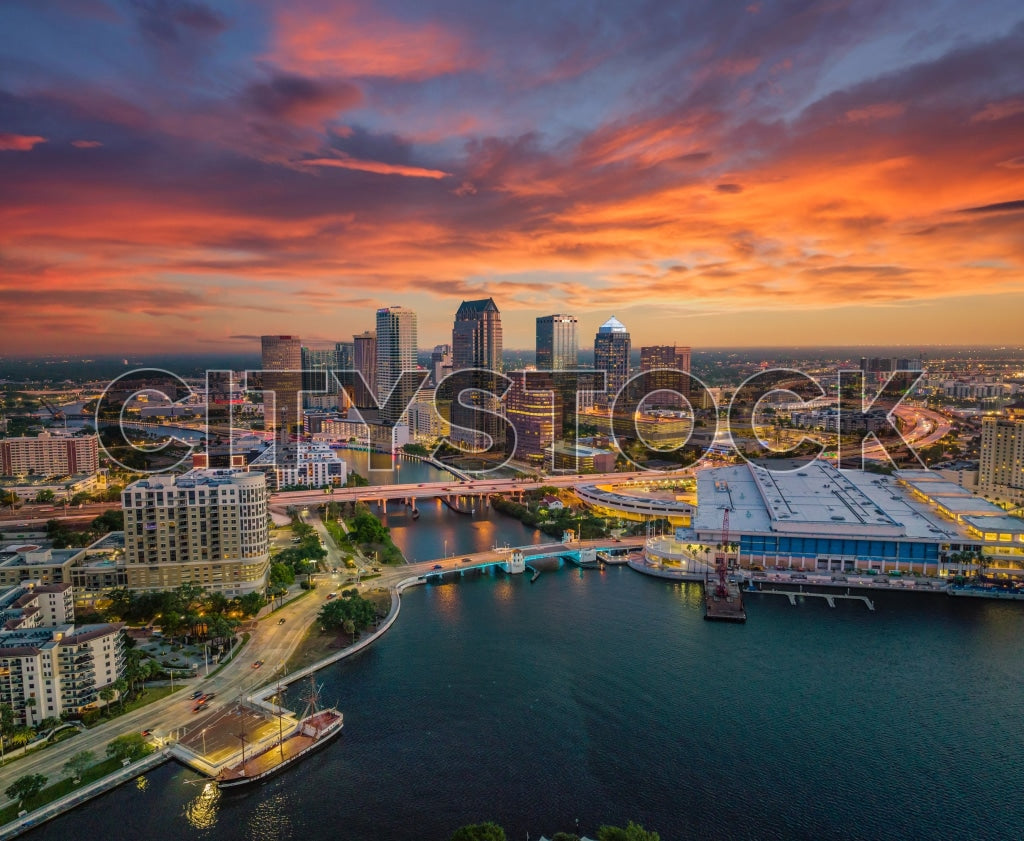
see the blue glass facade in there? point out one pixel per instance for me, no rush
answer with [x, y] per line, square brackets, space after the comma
[814, 547]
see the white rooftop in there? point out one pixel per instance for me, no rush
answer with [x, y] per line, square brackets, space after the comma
[612, 325]
[817, 499]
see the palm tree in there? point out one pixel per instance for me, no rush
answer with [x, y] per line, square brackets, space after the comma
[121, 685]
[30, 704]
[21, 736]
[107, 694]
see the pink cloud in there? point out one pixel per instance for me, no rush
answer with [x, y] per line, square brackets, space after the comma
[354, 42]
[999, 111]
[870, 113]
[379, 167]
[19, 142]
[86, 144]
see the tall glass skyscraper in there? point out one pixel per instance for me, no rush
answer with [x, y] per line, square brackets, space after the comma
[556, 343]
[611, 355]
[477, 343]
[282, 354]
[396, 352]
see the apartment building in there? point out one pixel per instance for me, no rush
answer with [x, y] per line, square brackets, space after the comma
[205, 527]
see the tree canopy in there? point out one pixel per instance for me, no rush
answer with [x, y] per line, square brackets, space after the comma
[489, 831]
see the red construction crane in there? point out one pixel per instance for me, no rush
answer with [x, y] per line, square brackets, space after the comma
[721, 565]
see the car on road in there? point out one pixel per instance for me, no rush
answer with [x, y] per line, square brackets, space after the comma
[281, 621]
[437, 566]
[146, 733]
[467, 560]
[194, 695]
[258, 664]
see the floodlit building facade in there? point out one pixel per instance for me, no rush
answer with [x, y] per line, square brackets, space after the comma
[206, 527]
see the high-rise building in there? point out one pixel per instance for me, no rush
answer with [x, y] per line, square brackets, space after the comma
[49, 455]
[611, 355]
[476, 337]
[364, 360]
[665, 356]
[440, 363]
[316, 365]
[557, 349]
[205, 527]
[344, 355]
[536, 415]
[477, 343]
[1001, 462]
[282, 366]
[57, 666]
[396, 352]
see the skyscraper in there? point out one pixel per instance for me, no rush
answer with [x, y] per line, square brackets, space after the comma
[344, 355]
[665, 356]
[396, 352]
[1001, 463]
[316, 362]
[536, 415]
[476, 337]
[364, 360]
[477, 343]
[611, 355]
[556, 343]
[440, 363]
[282, 354]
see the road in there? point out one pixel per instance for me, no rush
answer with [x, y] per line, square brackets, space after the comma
[271, 642]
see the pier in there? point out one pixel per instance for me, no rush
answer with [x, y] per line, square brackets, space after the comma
[830, 598]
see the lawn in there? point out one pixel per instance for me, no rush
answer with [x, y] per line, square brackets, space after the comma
[149, 696]
[59, 789]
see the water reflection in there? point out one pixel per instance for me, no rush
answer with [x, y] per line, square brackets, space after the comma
[201, 811]
[270, 820]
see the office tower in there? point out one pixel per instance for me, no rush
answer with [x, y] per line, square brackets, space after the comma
[556, 343]
[611, 355]
[364, 360]
[1001, 462]
[440, 363]
[316, 363]
[537, 417]
[282, 354]
[205, 527]
[396, 352]
[476, 337]
[664, 356]
[344, 355]
[477, 343]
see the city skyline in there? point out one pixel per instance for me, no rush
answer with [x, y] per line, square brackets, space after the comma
[196, 175]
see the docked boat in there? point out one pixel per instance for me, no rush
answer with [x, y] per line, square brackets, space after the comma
[314, 730]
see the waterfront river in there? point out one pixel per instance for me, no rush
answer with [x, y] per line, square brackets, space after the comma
[604, 696]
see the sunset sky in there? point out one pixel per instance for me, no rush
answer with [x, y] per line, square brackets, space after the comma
[186, 175]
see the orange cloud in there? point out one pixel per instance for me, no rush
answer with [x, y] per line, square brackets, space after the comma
[19, 142]
[379, 167]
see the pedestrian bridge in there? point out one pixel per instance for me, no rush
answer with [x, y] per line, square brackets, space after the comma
[523, 558]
